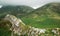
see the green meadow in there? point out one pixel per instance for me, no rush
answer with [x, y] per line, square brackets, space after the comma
[42, 22]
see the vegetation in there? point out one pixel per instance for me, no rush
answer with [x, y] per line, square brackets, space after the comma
[47, 16]
[44, 17]
[18, 11]
[4, 28]
[42, 22]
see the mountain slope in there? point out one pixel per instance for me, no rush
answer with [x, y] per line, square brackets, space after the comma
[46, 16]
[43, 17]
[15, 10]
[13, 26]
[48, 9]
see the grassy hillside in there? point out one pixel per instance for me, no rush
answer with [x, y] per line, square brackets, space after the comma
[5, 25]
[47, 16]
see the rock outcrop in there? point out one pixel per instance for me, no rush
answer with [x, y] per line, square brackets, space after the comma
[19, 28]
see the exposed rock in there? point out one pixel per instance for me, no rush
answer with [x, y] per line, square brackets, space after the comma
[19, 28]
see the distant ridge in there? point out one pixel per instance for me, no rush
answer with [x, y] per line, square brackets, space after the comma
[16, 10]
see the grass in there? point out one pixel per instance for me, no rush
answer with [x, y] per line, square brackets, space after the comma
[4, 32]
[42, 22]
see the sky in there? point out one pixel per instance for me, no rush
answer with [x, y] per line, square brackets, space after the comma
[32, 3]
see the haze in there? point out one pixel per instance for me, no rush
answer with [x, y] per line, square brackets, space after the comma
[32, 3]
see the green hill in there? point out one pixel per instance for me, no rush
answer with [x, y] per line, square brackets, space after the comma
[48, 9]
[47, 16]
[18, 11]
